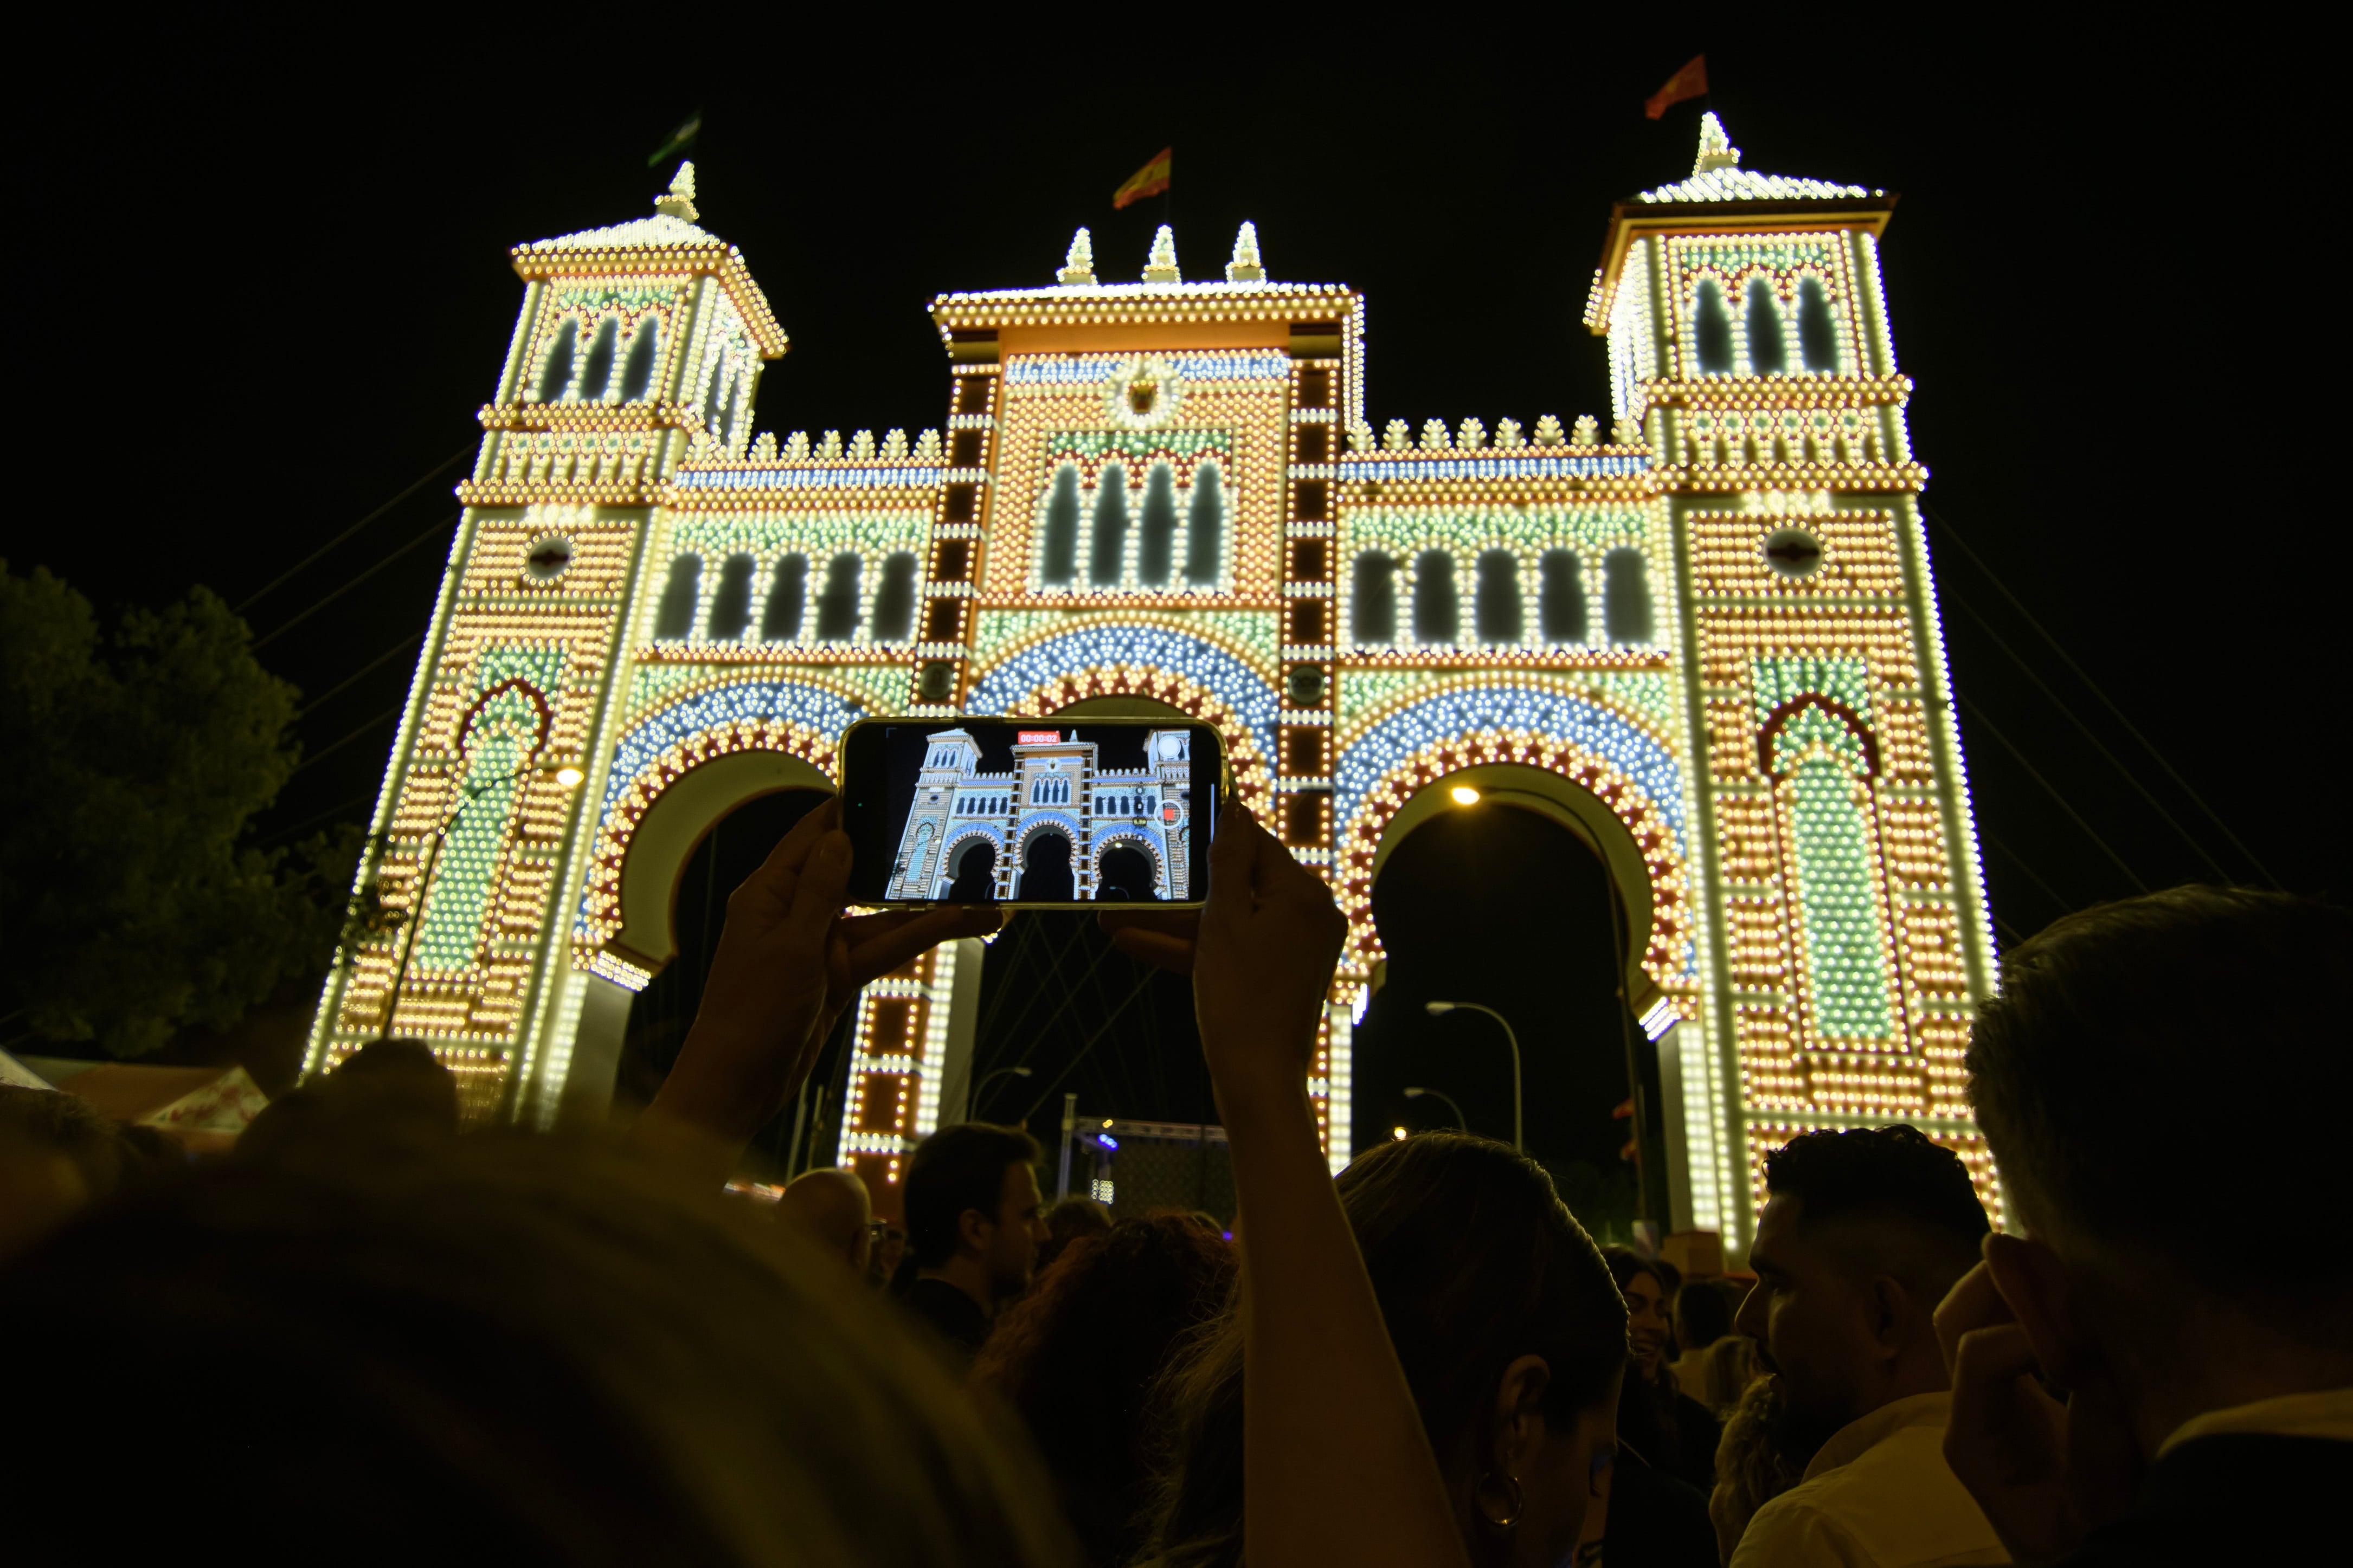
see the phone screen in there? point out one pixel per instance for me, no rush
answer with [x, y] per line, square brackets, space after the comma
[1031, 811]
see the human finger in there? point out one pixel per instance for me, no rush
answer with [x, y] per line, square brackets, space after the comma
[792, 851]
[1181, 923]
[877, 948]
[1974, 1302]
[817, 897]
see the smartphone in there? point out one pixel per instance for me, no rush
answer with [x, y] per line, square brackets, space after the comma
[1031, 813]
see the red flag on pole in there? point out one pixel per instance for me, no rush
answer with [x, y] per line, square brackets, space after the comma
[1688, 82]
[1150, 181]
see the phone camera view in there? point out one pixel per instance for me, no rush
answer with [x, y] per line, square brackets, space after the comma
[1031, 813]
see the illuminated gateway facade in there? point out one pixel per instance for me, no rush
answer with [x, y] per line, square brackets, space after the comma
[1707, 643]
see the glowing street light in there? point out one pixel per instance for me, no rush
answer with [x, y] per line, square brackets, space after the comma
[1439, 1009]
[1465, 794]
[1459, 1120]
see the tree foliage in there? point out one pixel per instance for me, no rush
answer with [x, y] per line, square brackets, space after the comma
[136, 759]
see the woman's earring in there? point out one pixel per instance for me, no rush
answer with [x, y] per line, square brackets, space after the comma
[1500, 1515]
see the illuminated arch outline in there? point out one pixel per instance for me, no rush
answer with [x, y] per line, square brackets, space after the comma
[1602, 751]
[792, 717]
[1099, 649]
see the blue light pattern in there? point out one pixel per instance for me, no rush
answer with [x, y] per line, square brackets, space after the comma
[1239, 685]
[1558, 714]
[1274, 365]
[805, 479]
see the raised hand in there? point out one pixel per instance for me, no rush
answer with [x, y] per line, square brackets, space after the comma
[1262, 959]
[787, 964]
[2007, 1440]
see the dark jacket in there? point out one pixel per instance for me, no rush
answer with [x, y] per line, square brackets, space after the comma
[2231, 1498]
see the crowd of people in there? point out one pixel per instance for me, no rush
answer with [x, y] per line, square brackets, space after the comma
[363, 1336]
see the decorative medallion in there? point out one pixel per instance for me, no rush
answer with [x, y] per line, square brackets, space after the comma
[1144, 393]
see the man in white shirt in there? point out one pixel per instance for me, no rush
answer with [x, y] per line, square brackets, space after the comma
[1861, 1235]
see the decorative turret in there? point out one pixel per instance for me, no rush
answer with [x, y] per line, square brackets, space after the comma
[1246, 267]
[678, 201]
[1162, 267]
[1079, 267]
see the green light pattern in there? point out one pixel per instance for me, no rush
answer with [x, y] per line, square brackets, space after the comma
[1844, 950]
[1407, 531]
[1730, 255]
[818, 535]
[498, 746]
[1136, 446]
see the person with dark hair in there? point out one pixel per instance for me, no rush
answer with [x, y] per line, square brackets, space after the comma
[1703, 1316]
[387, 1100]
[1067, 1222]
[1672, 1431]
[1424, 1354]
[974, 1222]
[58, 1153]
[1861, 1234]
[1077, 1355]
[1512, 1339]
[2194, 1302]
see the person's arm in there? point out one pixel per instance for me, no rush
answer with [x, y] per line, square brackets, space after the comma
[1336, 1468]
[787, 965]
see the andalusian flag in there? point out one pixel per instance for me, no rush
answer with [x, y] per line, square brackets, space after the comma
[1688, 82]
[679, 140]
[1150, 181]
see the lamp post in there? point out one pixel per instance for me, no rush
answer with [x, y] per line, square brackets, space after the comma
[568, 777]
[1459, 1120]
[980, 1091]
[1438, 1009]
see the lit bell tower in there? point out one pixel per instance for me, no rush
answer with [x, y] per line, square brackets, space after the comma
[1749, 346]
[638, 346]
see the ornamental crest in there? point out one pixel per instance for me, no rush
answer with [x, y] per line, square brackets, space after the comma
[1143, 393]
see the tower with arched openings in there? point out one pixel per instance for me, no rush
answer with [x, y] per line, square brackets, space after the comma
[1707, 644]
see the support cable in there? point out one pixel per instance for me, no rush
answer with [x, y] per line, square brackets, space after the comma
[2081, 674]
[393, 712]
[350, 584]
[435, 472]
[368, 668]
[2073, 816]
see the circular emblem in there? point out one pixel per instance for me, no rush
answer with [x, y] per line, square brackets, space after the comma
[1143, 393]
[548, 558]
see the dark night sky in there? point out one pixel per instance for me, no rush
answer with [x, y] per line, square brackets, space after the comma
[267, 288]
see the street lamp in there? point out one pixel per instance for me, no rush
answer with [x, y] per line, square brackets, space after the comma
[1438, 1009]
[1459, 1120]
[567, 777]
[980, 1092]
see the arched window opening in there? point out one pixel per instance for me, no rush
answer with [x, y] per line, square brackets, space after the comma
[1126, 876]
[837, 607]
[1045, 869]
[711, 395]
[731, 605]
[597, 370]
[894, 599]
[1768, 354]
[555, 371]
[1372, 600]
[781, 620]
[1816, 337]
[1058, 564]
[736, 407]
[1711, 331]
[1107, 544]
[1626, 596]
[1436, 617]
[1156, 552]
[973, 865]
[1560, 596]
[1496, 609]
[1205, 528]
[674, 618]
[638, 370]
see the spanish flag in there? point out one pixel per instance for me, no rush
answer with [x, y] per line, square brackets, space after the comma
[1150, 181]
[1688, 82]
